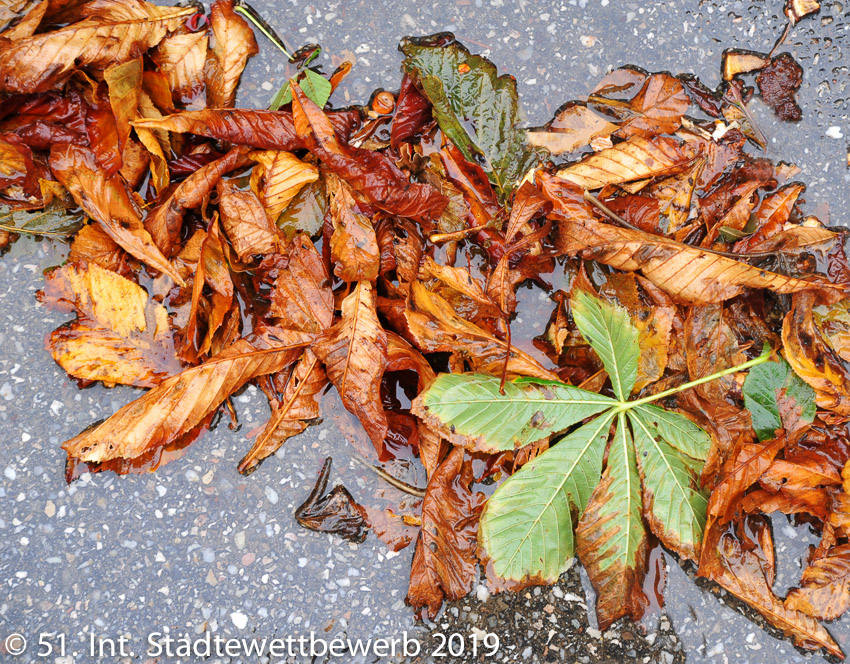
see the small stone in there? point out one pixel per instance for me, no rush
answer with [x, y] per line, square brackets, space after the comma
[271, 495]
[834, 132]
[239, 619]
[211, 579]
[49, 509]
[248, 558]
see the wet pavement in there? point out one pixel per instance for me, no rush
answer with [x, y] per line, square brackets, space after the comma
[195, 548]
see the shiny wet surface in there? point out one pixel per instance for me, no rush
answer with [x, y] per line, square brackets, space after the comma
[196, 547]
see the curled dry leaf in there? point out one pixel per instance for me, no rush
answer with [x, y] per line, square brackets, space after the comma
[279, 178]
[178, 404]
[119, 336]
[111, 32]
[107, 201]
[444, 563]
[246, 222]
[354, 352]
[234, 44]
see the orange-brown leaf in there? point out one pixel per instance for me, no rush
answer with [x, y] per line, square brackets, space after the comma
[354, 245]
[181, 58]
[107, 201]
[438, 328]
[120, 335]
[234, 44]
[354, 352]
[444, 563]
[825, 586]
[246, 222]
[181, 402]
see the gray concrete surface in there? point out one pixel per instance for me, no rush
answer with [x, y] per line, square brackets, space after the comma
[197, 548]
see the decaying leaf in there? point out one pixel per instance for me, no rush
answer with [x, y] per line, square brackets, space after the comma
[107, 201]
[477, 109]
[814, 353]
[246, 222]
[825, 591]
[181, 58]
[635, 159]
[334, 512]
[354, 245]
[282, 176]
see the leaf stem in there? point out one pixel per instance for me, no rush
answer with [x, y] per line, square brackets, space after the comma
[761, 359]
[250, 13]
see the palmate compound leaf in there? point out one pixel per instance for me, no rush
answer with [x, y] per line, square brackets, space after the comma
[652, 471]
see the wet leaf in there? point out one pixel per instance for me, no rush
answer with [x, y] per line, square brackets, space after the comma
[266, 130]
[469, 411]
[354, 352]
[301, 297]
[825, 586]
[740, 572]
[778, 84]
[107, 201]
[125, 89]
[282, 175]
[444, 563]
[687, 273]
[165, 221]
[119, 336]
[773, 388]
[815, 356]
[234, 44]
[372, 174]
[572, 128]
[111, 32]
[181, 58]
[49, 223]
[477, 109]
[611, 538]
[436, 327]
[354, 245]
[635, 159]
[181, 402]
[657, 108]
[246, 222]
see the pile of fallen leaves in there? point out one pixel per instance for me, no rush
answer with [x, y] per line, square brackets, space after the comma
[384, 251]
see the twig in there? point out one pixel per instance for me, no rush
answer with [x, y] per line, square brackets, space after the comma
[590, 198]
[397, 483]
[438, 238]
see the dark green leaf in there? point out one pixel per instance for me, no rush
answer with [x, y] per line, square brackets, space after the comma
[475, 107]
